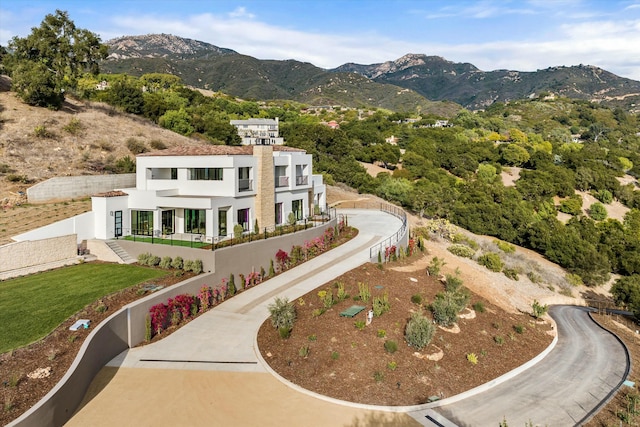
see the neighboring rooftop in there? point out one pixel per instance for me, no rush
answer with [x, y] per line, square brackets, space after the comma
[213, 150]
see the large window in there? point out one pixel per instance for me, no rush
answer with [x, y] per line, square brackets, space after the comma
[243, 218]
[222, 222]
[174, 173]
[142, 223]
[168, 221]
[296, 208]
[195, 221]
[205, 174]
[244, 181]
[278, 213]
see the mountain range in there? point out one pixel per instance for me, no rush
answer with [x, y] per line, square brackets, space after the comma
[414, 81]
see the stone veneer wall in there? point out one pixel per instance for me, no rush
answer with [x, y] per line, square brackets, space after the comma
[265, 181]
[21, 255]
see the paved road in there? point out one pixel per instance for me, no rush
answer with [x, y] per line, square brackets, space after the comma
[586, 364]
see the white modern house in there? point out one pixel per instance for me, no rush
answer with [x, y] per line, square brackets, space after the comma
[258, 131]
[207, 190]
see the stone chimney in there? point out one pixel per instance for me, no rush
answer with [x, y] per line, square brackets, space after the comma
[265, 186]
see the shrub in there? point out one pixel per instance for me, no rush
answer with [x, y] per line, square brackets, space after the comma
[41, 131]
[341, 295]
[313, 337]
[147, 327]
[381, 333]
[165, 262]
[73, 127]
[452, 283]
[598, 212]
[237, 231]
[461, 250]
[282, 314]
[359, 324]
[505, 247]
[574, 279]
[232, 285]
[572, 205]
[416, 299]
[538, 309]
[364, 291]
[272, 271]
[392, 365]
[157, 144]
[187, 265]
[434, 267]
[284, 332]
[511, 273]
[378, 376]
[283, 259]
[143, 258]
[492, 261]
[460, 238]
[472, 358]
[326, 297]
[303, 351]
[604, 196]
[419, 331]
[498, 339]
[335, 355]
[390, 346]
[318, 312]
[135, 146]
[479, 307]
[447, 305]
[177, 263]
[196, 267]
[519, 329]
[381, 305]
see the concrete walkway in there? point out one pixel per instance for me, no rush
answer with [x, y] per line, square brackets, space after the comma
[208, 373]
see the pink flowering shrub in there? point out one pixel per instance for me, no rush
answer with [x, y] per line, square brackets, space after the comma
[205, 296]
[159, 317]
[252, 279]
[282, 258]
[390, 253]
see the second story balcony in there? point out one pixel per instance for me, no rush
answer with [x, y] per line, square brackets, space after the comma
[282, 181]
[245, 185]
[302, 180]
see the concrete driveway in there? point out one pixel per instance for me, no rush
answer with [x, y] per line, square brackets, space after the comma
[585, 366]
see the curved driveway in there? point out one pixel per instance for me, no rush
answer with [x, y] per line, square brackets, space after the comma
[208, 372]
[561, 390]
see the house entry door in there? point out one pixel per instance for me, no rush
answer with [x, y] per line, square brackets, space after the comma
[117, 219]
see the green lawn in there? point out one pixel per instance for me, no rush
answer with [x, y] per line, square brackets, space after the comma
[33, 306]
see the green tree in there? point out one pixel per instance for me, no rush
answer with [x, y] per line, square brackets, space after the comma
[597, 211]
[127, 94]
[626, 291]
[178, 121]
[515, 155]
[59, 52]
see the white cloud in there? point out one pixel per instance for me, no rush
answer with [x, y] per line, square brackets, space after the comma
[241, 12]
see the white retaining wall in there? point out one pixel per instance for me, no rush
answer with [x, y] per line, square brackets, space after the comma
[80, 225]
[25, 257]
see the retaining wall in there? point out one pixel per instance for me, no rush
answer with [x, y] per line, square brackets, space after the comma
[80, 225]
[37, 255]
[126, 328]
[69, 187]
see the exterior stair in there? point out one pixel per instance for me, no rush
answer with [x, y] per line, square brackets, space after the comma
[122, 254]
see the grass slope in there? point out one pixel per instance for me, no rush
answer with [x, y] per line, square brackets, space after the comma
[32, 306]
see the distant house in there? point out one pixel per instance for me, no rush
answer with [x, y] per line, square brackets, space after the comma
[391, 140]
[258, 131]
[333, 124]
[103, 85]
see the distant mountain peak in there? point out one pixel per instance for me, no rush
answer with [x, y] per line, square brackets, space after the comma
[161, 46]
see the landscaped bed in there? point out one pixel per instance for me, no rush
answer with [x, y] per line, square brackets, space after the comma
[344, 358]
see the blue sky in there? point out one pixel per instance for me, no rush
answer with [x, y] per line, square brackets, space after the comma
[520, 35]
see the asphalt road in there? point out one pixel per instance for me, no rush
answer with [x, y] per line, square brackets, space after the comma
[562, 389]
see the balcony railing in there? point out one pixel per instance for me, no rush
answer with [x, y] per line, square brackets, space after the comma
[302, 180]
[245, 184]
[282, 181]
